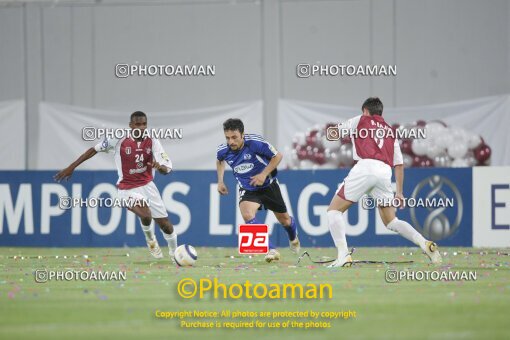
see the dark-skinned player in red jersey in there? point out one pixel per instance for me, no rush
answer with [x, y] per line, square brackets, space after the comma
[137, 159]
[376, 153]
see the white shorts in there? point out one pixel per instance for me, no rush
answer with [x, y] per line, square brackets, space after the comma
[368, 176]
[150, 193]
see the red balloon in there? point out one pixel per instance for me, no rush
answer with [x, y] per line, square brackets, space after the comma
[421, 123]
[406, 146]
[301, 154]
[422, 162]
[426, 162]
[311, 140]
[346, 140]
[312, 133]
[482, 153]
[416, 161]
[319, 158]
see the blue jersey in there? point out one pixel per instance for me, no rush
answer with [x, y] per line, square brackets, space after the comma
[249, 161]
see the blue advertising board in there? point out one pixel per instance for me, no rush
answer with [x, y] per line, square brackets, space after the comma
[30, 214]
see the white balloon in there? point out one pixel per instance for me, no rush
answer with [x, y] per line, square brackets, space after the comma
[408, 160]
[419, 147]
[442, 161]
[434, 150]
[470, 159]
[459, 163]
[329, 166]
[457, 131]
[457, 150]
[474, 140]
[345, 155]
[444, 140]
[460, 135]
[434, 129]
[306, 164]
[332, 158]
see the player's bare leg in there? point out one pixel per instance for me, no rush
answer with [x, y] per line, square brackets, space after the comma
[403, 228]
[248, 211]
[144, 213]
[290, 227]
[337, 226]
[168, 233]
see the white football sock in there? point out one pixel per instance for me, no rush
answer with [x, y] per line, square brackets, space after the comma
[148, 231]
[337, 227]
[172, 241]
[407, 231]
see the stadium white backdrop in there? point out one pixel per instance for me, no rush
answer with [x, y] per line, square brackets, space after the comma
[61, 140]
[12, 135]
[61, 127]
[66, 51]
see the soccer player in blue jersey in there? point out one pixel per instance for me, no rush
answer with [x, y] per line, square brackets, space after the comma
[254, 162]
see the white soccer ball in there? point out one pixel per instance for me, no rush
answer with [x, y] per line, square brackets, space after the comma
[185, 255]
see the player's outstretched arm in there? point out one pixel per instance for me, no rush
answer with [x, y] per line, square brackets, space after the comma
[68, 172]
[261, 178]
[399, 178]
[220, 170]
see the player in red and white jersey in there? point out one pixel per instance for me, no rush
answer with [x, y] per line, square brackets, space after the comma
[137, 160]
[376, 151]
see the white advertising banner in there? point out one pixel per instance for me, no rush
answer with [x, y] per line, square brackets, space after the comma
[491, 206]
[61, 138]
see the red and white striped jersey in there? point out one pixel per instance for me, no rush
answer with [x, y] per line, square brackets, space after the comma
[373, 138]
[132, 158]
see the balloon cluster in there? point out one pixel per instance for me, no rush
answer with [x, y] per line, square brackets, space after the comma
[442, 146]
[313, 150]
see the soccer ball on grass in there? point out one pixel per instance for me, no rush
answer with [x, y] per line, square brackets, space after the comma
[185, 255]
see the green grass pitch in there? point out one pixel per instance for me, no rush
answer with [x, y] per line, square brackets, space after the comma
[126, 309]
